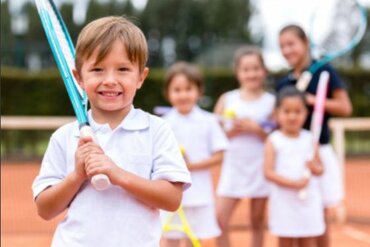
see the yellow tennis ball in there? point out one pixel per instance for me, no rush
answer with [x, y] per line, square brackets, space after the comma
[229, 114]
[182, 150]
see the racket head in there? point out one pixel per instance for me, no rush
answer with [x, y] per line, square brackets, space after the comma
[63, 50]
[336, 27]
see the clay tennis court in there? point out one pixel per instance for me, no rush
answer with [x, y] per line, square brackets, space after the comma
[21, 226]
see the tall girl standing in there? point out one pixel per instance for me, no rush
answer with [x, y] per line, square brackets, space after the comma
[242, 169]
[294, 46]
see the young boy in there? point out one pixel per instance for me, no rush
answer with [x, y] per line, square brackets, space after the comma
[137, 151]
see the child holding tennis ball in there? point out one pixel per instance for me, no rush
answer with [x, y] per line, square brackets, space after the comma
[242, 169]
[137, 151]
[203, 142]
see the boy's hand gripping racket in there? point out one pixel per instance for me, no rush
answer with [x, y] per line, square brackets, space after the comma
[316, 122]
[64, 54]
[336, 27]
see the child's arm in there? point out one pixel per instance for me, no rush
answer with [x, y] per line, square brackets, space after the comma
[160, 194]
[55, 199]
[340, 105]
[249, 126]
[219, 111]
[271, 175]
[315, 164]
[215, 159]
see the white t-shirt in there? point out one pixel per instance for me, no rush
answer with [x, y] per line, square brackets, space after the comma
[142, 144]
[201, 135]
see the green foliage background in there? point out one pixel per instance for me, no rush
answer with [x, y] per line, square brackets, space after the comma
[43, 93]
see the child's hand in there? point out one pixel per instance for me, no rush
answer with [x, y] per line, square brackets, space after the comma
[233, 132]
[314, 167]
[301, 183]
[80, 155]
[99, 163]
[310, 98]
[246, 125]
[85, 147]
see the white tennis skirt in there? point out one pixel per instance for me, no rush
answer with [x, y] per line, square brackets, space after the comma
[331, 181]
[242, 176]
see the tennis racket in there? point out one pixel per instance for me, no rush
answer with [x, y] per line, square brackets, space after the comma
[336, 27]
[316, 122]
[64, 53]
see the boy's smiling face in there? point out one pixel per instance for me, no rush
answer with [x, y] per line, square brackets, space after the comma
[111, 83]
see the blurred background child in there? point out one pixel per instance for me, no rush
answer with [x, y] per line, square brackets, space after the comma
[293, 219]
[295, 48]
[242, 169]
[203, 142]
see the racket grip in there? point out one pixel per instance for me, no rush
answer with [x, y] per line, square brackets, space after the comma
[303, 81]
[99, 181]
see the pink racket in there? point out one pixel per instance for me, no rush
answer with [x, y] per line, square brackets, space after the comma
[316, 121]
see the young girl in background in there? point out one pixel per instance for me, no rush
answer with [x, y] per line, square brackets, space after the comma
[203, 141]
[294, 46]
[242, 169]
[292, 219]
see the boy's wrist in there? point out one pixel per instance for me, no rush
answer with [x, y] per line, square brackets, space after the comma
[75, 178]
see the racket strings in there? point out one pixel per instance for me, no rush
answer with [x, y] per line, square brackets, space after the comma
[345, 25]
[68, 53]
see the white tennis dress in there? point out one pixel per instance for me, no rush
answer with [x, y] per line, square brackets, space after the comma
[242, 169]
[289, 215]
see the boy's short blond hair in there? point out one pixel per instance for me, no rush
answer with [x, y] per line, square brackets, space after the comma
[102, 33]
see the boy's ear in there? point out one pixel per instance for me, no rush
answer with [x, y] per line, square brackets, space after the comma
[142, 78]
[78, 78]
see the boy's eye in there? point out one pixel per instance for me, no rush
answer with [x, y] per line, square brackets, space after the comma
[96, 69]
[123, 69]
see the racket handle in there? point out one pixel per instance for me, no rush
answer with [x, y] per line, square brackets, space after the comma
[303, 81]
[99, 181]
[302, 194]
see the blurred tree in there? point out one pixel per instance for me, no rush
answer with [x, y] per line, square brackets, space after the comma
[7, 37]
[66, 10]
[173, 29]
[191, 27]
[228, 19]
[95, 10]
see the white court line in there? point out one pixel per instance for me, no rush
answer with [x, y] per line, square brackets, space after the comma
[356, 234]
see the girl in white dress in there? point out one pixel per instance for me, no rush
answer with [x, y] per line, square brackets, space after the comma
[288, 152]
[203, 141]
[242, 169]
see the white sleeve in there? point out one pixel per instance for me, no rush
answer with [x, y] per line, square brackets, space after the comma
[218, 140]
[168, 163]
[53, 167]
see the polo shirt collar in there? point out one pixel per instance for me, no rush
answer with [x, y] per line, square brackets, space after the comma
[135, 120]
[193, 114]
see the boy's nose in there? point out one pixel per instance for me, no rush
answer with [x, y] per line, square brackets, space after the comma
[110, 79]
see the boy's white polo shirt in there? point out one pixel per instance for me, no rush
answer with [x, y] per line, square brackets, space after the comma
[142, 144]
